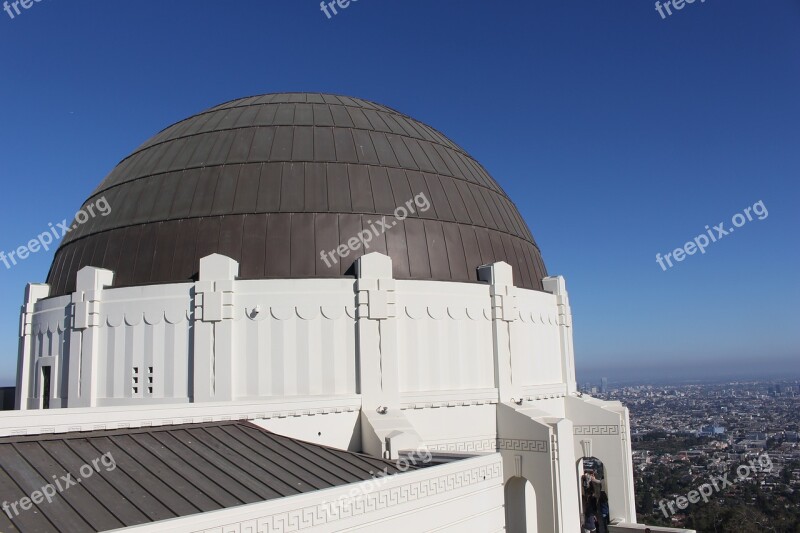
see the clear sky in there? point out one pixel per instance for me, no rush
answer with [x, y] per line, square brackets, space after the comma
[618, 133]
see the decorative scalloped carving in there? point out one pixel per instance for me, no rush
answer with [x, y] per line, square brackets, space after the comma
[176, 316]
[153, 317]
[134, 318]
[307, 312]
[282, 312]
[474, 313]
[457, 312]
[436, 312]
[250, 313]
[115, 320]
[416, 312]
[350, 310]
[487, 313]
[332, 312]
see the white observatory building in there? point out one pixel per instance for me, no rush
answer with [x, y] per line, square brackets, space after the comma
[290, 294]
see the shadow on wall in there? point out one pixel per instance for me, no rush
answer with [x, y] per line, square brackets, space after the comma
[7, 398]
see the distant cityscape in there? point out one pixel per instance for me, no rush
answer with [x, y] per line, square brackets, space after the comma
[686, 436]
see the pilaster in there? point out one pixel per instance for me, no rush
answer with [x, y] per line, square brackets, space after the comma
[214, 343]
[84, 347]
[558, 287]
[384, 428]
[25, 364]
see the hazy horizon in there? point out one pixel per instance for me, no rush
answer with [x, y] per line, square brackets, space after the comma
[687, 370]
[664, 373]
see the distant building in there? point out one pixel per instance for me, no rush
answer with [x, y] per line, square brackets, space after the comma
[709, 431]
[604, 385]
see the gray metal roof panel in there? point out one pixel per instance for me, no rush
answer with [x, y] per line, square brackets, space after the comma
[155, 474]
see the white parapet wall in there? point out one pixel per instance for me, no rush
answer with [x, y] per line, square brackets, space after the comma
[465, 495]
[294, 337]
[228, 339]
[337, 410]
[535, 340]
[444, 336]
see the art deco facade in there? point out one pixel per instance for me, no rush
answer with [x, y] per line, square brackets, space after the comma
[199, 313]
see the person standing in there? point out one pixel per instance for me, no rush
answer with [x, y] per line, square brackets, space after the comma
[590, 524]
[603, 512]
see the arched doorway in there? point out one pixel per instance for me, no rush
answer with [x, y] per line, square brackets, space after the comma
[593, 492]
[520, 506]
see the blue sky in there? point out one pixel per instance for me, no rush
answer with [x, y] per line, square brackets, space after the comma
[618, 134]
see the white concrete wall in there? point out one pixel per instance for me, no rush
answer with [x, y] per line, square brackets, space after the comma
[144, 346]
[301, 342]
[444, 336]
[602, 430]
[462, 496]
[535, 345]
[311, 413]
[458, 429]
[335, 427]
[48, 344]
[291, 338]
[144, 339]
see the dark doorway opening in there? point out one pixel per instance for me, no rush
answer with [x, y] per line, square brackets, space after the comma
[45, 387]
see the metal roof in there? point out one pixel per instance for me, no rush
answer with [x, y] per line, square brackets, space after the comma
[163, 473]
[274, 180]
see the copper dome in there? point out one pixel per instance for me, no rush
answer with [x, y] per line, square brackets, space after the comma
[274, 180]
